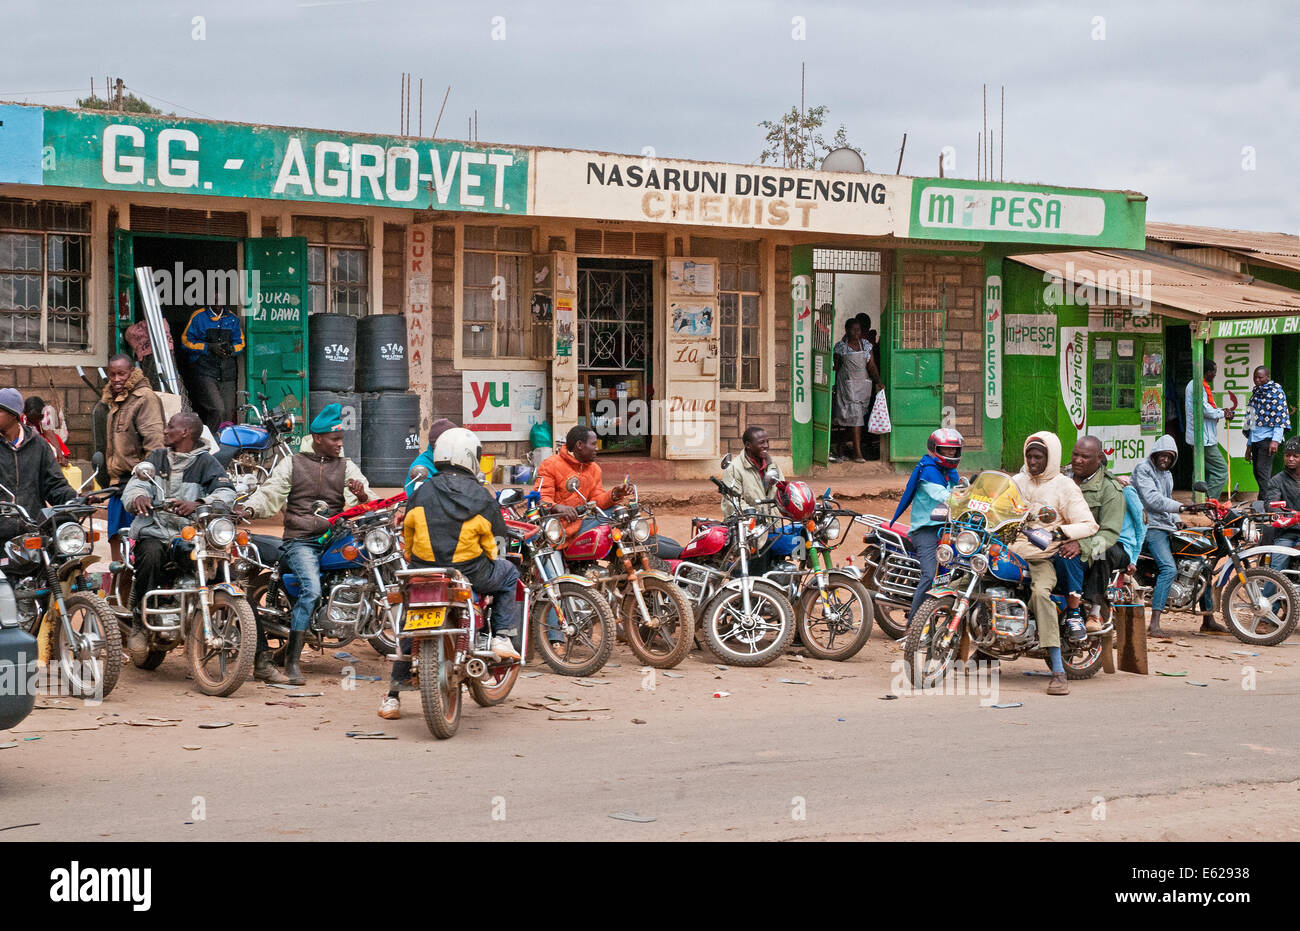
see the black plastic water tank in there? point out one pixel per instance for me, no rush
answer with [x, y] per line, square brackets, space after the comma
[390, 436]
[381, 353]
[332, 352]
[351, 404]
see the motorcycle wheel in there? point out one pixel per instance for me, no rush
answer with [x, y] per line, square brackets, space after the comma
[1244, 619]
[890, 618]
[148, 660]
[90, 616]
[771, 620]
[440, 696]
[925, 658]
[222, 670]
[1084, 663]
[496, 688]
[383, 643]
[589, 611]
[835, 633]
[665, 642]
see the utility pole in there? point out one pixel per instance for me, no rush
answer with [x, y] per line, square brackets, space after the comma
[119, 87]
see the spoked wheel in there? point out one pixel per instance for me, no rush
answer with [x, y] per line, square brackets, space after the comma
[1261, 624]
[221, 666]
[664, 636]
[440, 695]
[931, 648]
[587, 634]
[90, 664]
[384, 643]
[834, 624]
[495, 685]
[748, 638]
[1085, 662]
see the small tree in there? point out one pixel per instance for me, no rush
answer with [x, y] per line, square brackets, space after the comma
[796, 141]
[130, 104]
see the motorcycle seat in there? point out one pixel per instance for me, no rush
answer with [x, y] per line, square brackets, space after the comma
[666, 547]
[897, 527]
[703, 523]
[269, 549]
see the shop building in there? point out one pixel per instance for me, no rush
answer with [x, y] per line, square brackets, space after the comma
[668, 303]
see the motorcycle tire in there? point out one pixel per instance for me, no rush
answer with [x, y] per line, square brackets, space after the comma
[492, 690]
[232, 621]
[440, 697]
[891, 618]
[148, 660]
[1246, 629]
[98, 619]
[722, 606]
[597, 621]
[931, 618]
[382, 643]
[811, 635]
[666, 643]
[1084, 665]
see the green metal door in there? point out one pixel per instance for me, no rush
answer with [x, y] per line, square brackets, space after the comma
[123, 284]
[275, 324]
[823, 380]
[916, 323]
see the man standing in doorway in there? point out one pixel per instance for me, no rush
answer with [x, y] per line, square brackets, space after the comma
[213, 339]
[1268, 420]
[1216, 470]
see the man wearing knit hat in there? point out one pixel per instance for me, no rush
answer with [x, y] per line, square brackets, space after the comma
[436, 429]
[28, 468]
[296, 484]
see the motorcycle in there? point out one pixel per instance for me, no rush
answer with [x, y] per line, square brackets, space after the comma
[747, 619]
[658, 619]
[570, 608]
[204, 611]
[46, 565]
[892, 572]
[249, 451]
[1244, 603]
[360, 594]
[824, 597]
[18, 659]
[983, 587]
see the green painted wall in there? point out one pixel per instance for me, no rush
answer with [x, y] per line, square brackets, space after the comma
[1030, 388]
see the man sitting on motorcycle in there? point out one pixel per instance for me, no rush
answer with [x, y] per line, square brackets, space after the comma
[1285, 486]
[191, 475]
[31, 470]
[1101, 553]
[748, 473]
[1043, 485]
[577, 458]
[453, 522]
[296, 484]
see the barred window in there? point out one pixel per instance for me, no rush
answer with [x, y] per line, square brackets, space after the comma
[496, 262]
[44, 275]
[740, 330]
[338, 265]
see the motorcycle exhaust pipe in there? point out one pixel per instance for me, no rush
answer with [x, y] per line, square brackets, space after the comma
[475, 668]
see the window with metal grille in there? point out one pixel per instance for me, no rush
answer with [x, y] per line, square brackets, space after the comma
[495, 321]
[740, 327]
[1112, 379]
[338, 265]
[44, 275]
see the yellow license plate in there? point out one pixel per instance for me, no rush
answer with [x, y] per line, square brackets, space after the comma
[425, 619]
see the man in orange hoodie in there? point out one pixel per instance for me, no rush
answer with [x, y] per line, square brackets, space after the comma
[577, 458]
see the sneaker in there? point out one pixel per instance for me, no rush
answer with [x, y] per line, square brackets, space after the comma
[503, 648]
[1074, 623]
[390, 709]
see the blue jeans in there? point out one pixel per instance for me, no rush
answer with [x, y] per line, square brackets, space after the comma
[1069, 574]
[1281, 560]
[926, 541]
[1157, 544]
[302, 557]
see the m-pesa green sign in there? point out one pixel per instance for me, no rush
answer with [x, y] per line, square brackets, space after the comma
[129, 152]
[944, 208]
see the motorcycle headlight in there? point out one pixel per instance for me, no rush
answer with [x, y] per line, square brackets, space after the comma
[979, 562]
[943, 553]
[1249, 532]
[70, 539]
[378, 541]
[640, 529]
[553, 530]
[830, 529]
[221, 532]
[967, 542]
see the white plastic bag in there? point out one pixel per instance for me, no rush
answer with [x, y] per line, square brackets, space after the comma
[878, 422]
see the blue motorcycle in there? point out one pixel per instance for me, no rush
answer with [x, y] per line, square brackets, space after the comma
[249, 451]
[360, 593]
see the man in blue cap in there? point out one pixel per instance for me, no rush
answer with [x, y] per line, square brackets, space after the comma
[296, 484]
[27, 464]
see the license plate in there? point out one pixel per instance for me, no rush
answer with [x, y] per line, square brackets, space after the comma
[424, 620]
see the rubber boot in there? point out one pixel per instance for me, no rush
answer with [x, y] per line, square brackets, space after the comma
[292, 652]
[264, 669]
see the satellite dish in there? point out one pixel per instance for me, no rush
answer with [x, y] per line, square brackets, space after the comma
[843, 159]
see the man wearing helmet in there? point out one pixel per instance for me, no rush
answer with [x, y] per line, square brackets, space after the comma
[927, 488]
[453, 522]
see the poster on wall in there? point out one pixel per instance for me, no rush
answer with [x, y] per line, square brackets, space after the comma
[693, 319]
[503, 405]
[1151, 412]
[689, 276]
[1074, 378]
[564, 327]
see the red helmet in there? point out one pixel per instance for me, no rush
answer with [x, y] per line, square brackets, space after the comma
[795, 500]
[945, 444]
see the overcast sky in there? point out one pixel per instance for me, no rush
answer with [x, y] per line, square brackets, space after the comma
[1164, 104]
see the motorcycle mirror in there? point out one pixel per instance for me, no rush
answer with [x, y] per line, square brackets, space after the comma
[482, 479]
[939, 515]
[97, 460]
[1277, 505]
[771, 476]
[319, 507]
[506, 498]
[726, 460]
[418, 474]
[1201, 487]
[145, 471]
[1039, 538]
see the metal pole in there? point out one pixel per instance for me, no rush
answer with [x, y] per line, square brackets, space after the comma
[1197, 390]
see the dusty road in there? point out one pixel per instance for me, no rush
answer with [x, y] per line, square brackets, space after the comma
[1122, 757]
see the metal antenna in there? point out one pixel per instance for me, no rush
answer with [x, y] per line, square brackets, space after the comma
[440, 109]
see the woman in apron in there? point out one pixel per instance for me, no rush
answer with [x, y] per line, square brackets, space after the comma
[852, 384]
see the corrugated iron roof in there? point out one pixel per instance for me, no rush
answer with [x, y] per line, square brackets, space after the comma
[1191, 291]
[1264, 244]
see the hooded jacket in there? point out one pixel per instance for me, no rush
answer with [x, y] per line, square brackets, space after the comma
[1155, 487]
[28, 469]
[453, 521]
[135, 425]
[192, 476]
[927, 488]
[1052, 489]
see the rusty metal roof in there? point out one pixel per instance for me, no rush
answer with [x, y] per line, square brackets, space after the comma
[1263, 244]
[1191, 292]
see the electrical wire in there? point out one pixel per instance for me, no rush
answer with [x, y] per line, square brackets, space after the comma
[169, 103]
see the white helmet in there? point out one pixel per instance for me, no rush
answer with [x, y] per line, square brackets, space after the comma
[458, 447]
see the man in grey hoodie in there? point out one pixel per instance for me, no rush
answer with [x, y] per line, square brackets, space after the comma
[1155, 485]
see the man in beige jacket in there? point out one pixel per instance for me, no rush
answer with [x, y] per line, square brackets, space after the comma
[1043, 485]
